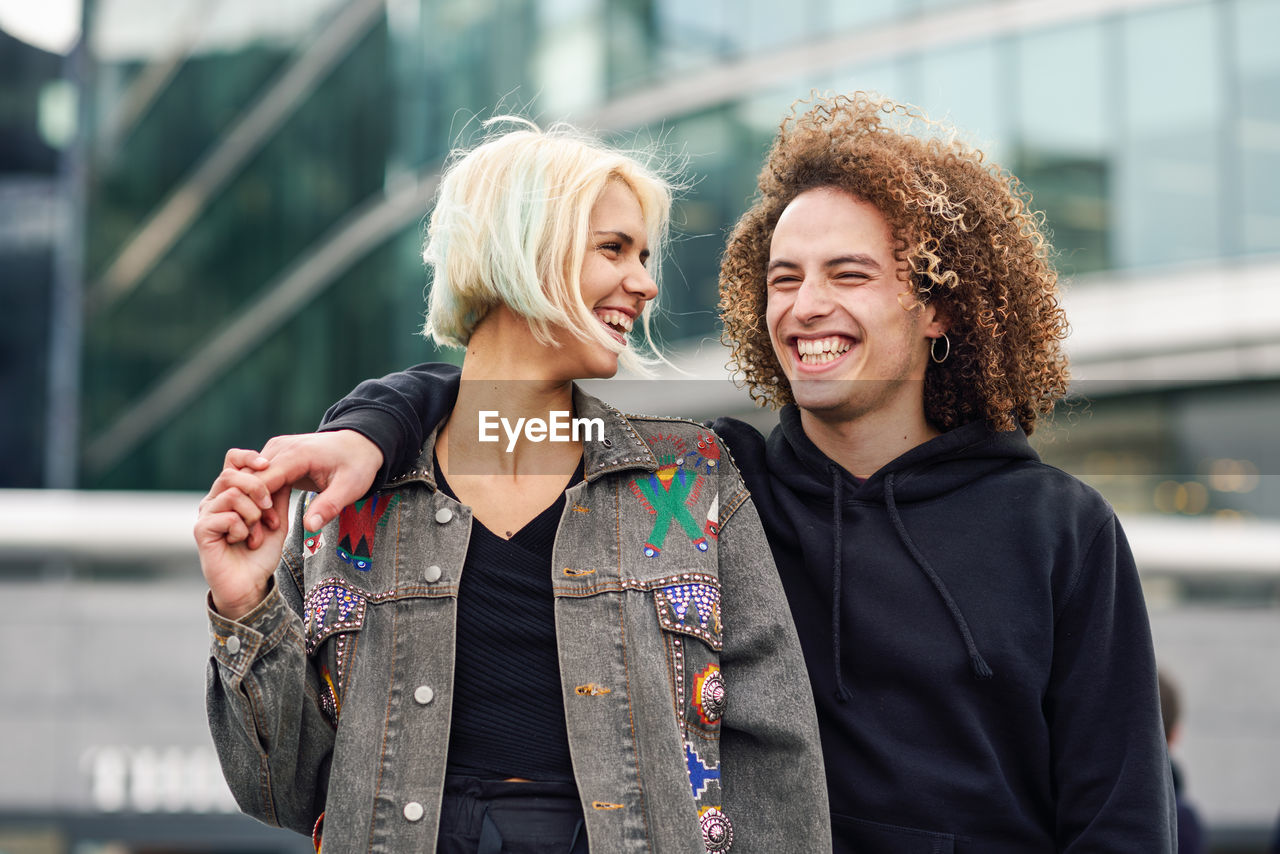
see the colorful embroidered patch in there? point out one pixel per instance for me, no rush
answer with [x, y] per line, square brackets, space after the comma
[708, 694]
[692, 608]
[312, 541]
[357, 526]
[708, 451]
[700, 773]
[712, 528]
[329, 608]
[717, 832]
[675, 487]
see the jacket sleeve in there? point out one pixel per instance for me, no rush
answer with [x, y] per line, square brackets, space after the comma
[272, 738]
[391, 412]
[1110, 761]
[772, 778]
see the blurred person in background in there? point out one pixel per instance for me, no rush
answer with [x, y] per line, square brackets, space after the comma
[572, 690]
[971, 618]
[1190, 831]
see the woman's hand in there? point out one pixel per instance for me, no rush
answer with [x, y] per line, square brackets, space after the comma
[240, 539]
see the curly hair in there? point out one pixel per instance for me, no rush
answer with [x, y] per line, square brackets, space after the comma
[963, 228]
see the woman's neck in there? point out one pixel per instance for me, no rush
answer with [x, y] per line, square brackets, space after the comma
[506, 392]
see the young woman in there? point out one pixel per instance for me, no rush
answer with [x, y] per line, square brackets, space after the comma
[522, 644]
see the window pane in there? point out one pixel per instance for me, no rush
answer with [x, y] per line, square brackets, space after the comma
[1169, 165]
[1061, 130]
[1257, 135]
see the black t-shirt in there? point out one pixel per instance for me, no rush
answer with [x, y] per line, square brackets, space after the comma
[508, 710]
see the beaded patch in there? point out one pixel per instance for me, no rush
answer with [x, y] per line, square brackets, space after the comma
[329, 703]
[329, 608]
[717, 832]
[693, 608]
[708, 695]
[671, 491]
[358, 524]
[700, 773]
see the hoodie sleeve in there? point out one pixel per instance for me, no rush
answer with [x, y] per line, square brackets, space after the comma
[391, 412]
[1109, 758]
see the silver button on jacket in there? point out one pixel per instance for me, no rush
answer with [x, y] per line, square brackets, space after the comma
[690, 718]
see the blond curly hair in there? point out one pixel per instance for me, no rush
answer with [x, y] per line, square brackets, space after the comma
[963, 228]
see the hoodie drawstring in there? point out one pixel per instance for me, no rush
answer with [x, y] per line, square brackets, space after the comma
[837, 571]
[980, 668]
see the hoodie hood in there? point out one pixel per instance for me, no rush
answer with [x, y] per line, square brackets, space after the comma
[935, 468]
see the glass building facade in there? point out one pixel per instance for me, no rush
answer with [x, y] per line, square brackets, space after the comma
[259, 184]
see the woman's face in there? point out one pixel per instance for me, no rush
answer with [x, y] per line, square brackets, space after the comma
[615, 282]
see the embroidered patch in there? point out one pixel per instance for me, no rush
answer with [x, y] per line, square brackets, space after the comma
[708, 694]
[692, 608]
[312, 541]
[357, 526]
[717, 832]
[700, 773]
[712, 528]
[329, 608]
[675, 487]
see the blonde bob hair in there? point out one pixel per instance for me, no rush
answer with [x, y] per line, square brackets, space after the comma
[511, 226]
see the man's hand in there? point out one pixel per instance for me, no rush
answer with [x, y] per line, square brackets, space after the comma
[339, 465]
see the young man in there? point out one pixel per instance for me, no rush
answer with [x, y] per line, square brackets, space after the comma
[971, 618]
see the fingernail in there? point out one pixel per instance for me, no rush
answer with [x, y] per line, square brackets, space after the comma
[313, 523]
[261, 461]
[265, 503]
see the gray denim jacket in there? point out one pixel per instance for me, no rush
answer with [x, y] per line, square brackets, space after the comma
[690, 719]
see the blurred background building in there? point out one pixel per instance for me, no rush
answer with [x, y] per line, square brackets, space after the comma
[210, 229]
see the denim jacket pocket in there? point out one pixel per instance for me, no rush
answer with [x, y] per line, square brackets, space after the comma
[333, 615]
[688, 608]
[689, 604]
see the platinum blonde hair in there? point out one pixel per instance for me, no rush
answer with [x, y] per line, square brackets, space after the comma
[511, 226]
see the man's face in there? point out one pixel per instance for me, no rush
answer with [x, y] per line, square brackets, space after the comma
[849, 335]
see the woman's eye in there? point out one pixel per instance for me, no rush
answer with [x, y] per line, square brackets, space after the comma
[610, 247]
[783, 281]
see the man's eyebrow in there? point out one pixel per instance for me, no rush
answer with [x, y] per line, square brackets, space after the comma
[856, 258]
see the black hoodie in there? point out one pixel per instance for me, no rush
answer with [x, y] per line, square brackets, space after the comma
[977, 643]
[973, 626]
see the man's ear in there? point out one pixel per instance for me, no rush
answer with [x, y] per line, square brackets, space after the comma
[937, 319]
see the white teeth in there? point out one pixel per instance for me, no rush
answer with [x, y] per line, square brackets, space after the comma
[615, 318]
[822, 350]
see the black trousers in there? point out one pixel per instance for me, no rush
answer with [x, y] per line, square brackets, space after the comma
[498, 817]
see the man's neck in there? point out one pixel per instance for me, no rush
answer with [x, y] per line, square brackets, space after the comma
[864, 444]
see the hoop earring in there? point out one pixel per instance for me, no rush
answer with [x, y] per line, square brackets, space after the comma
[933, 349]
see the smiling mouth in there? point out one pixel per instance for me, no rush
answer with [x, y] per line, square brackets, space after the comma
[820, 351]
[616, 321]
